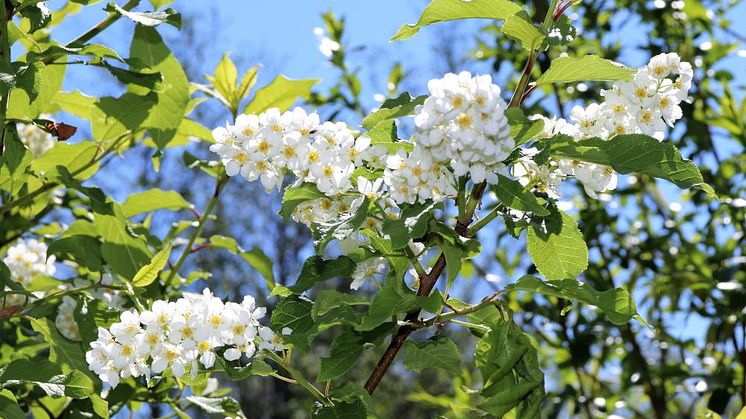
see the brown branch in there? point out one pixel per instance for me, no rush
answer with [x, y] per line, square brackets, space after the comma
[426, 285]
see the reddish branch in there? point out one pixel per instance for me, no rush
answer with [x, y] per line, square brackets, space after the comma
[426, 285]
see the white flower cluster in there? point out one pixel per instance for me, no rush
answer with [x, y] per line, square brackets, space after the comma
[179, 335]
[461, 131]
[265, 146]
[462, 123]
[644, 105]
[25, 260]
[36, 140]
[65, 319]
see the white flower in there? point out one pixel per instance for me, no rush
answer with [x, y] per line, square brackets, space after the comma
[544, 178]
[662, 65]
[269, 341]
[368, 269]
[65, 319]
[28, 259]
[368, 188]
[589, 120]
[127, 328]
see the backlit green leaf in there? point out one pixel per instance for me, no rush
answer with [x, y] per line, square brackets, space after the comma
[444, 10]
[587, 68]
[148, 273]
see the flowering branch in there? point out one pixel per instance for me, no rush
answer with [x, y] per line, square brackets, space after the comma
[428, 281]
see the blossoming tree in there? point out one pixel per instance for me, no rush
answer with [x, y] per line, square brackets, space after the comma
[119, 325]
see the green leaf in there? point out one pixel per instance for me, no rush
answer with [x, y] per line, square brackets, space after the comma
[75, 103]
[294, 313]
[328, 300]
[520, 28]
[444, 10]
[149, 81]
[617, 303]
[587, 68]
[66, 353]
[402, 105]
[557, 247]
[255, 257]
[72, 156]
[510, 370]
[160, 3]
[9, 408]
[453, 255]
[292, 197]
[225, 78]
[124, 252]
[55, 51]
[633, 153]
[83, 250]
[247, 83]
[522, 129]
[28, 370]
[512, 194]
[345, 350]
[281, 93]
[171, 101]
[116, 116]
[44, 82]
[437, 352]
[90, 314]
[411, 224]
[7, 77]
[316, 269]
[396, 297]
[385, 134]
[236, 372]
[153, 200]
[563, 32]
[148, 273]
[38, 16]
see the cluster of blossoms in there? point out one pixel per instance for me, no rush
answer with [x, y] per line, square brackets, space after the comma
[36, 140]
[26, 260]
[180, 336]
[65, 319]
[644, 105]
[462, 123]
[268, 145]
[461, 130]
